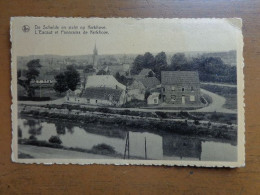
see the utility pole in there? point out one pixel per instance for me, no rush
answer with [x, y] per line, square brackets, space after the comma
[127, 146]
[145, 150]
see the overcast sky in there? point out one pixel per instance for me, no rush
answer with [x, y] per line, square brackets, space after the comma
[127, 36]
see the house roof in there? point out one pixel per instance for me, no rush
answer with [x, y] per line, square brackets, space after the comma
[136, 85]
[108, 81]
[45, 77]
[149, 82]
[102, 93]
[179, 77]
[145, 71]
[154, 95]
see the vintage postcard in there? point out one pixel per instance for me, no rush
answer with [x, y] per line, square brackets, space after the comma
[128, 91]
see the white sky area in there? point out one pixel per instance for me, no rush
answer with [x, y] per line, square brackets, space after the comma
[127, 36]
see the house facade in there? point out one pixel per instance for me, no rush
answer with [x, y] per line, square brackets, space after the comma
[135, 91]
[153, 99]
[43, 81]
[100, 96]
[100, 90]
[180, 88]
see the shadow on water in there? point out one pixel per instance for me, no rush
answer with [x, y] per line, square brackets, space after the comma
[129, 143]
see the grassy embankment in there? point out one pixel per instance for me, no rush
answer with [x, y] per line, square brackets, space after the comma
[151, 121]
[230, 93]
[100, 149]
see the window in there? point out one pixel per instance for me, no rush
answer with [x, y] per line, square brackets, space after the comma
[191, 88]
[163, 89]
[182, 89]
[173, 88]
[173, 97]
[88, 101]
[192, 98]
[155, 101]
[96, 101]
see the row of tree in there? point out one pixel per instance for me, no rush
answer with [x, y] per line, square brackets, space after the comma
[211, 69]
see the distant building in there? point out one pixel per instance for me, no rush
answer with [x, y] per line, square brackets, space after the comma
[119, 68]
[95, 56]
[180, 87]
[146, 71]
[135, 91]
[43, 81]
[149, 82]
[153, 99]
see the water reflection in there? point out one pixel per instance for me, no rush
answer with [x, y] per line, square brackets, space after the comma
[141, 144]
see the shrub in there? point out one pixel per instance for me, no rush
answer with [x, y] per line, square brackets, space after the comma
[20, 133]
[55, 140]
[103, 149]
[196, 122]
[104, 110]
[32, 137]
[161, 114]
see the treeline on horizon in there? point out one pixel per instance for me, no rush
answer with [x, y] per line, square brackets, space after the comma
[210, 69]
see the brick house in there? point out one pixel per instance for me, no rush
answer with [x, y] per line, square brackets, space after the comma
[180, 88]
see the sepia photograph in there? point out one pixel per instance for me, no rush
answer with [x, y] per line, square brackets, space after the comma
[127, 91]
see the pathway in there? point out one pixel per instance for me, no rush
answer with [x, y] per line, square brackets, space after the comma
[220, 84]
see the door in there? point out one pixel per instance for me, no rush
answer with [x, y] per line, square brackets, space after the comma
[183, 99]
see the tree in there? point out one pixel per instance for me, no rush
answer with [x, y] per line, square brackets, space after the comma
[160, 64]
[89, 69]
[32, 72]
[102, 72]
[179, 62]
[72, 77]
[61, 83]
[121, 78]
[138, 64]
[150, 74]
[149, 61]
[147, 94]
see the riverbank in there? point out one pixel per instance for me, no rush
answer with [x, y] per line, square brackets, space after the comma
[30, 151]
[180, 125]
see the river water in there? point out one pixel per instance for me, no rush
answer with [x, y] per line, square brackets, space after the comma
[162, 146]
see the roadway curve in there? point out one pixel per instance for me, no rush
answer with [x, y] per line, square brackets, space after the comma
[216, 105]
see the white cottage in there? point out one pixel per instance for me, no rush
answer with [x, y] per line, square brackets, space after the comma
[153, 99]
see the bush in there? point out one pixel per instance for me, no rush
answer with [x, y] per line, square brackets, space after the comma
[104, 110]
[32, 137]
[196, 122]
[103, 149]
[55, 140]
[161, 114]
[20, 133]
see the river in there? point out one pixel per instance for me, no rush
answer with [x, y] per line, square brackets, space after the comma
[142, 144]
